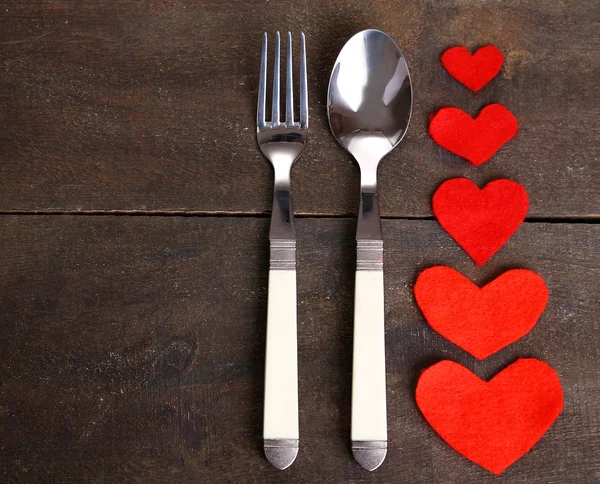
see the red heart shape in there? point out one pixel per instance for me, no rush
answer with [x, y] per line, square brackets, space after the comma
[474, 139]
[491, 423]
[483, 320]
[481, 221]
[474, 71]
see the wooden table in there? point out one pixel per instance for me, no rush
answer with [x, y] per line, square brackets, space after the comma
[134, 237]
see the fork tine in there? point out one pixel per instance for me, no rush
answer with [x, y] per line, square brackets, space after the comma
[262, 86]
[289, 87]
[275, 111]
[303, 86]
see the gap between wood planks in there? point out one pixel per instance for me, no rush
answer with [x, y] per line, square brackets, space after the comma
[593, 219]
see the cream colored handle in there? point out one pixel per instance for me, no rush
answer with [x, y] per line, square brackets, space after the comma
[281, 365]
[369, 418]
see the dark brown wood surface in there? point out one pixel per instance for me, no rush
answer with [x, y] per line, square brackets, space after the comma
[134, 237]
[133, 350]
[128, 105]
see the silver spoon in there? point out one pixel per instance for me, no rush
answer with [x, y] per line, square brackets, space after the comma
[369, 107]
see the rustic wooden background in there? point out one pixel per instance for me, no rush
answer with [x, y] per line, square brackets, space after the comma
[134, 210]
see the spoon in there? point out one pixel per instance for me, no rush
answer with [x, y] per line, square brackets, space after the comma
[369, 107]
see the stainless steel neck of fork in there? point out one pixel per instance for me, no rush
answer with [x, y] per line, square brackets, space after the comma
[369, 236]
[282, 233]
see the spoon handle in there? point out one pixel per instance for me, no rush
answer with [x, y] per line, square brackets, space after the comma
[369, 417]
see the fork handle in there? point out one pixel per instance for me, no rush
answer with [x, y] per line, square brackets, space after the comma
[280, 432]
[280, 425]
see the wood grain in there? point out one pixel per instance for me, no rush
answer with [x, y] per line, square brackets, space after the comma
[149, 105]
[133, 350]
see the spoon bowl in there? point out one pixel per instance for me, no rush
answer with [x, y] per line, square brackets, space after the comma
[370, 96]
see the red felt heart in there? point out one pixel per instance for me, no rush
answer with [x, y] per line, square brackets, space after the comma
[474, 139]
[491, 423]
[481, 221]
[481, 321]
[474, 71]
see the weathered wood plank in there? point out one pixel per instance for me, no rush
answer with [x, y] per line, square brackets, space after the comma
[133, 350]
[150, 105]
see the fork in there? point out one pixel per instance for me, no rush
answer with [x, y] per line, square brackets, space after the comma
[282, 143]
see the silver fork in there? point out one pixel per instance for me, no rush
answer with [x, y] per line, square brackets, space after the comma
[282, 143]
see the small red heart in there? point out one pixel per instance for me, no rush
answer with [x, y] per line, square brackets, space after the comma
[491, 423]
[474, 71]
[481, 221]
[474, 139]
[483, 320]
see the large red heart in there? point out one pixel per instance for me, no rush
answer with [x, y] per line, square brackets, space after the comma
[481, 321]
[491, 423]
[474, 139]
[474, 71]
[481, 221]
